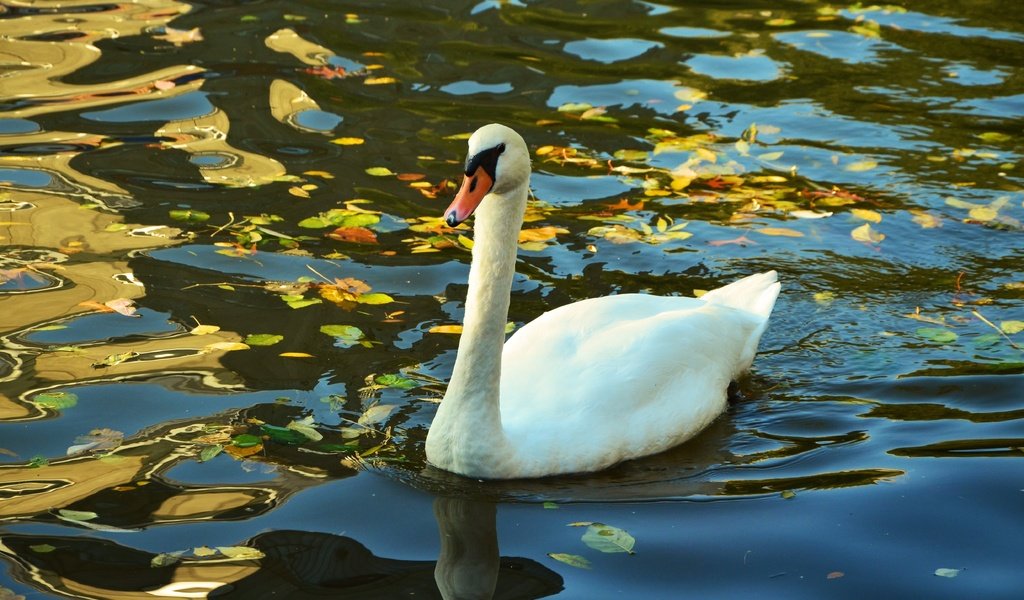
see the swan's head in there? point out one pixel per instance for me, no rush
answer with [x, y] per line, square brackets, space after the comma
[498, 162]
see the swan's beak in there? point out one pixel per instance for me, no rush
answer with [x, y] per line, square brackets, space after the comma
[474, 188]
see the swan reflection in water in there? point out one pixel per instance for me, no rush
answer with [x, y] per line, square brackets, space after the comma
[296, 565]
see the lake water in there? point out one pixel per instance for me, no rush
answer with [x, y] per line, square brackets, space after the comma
[262, 183]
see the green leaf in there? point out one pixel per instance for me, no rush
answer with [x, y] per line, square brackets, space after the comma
[863, 165]
[995, 136]
[306, 428]
[56, 400]
[246, 440]
[575, 107]
[190, 216]
[353, 220]
[374, 298]
[632, 155]
[396, 381]
[788, 494]
[262, 339]
[314, 223]
[937, 335]
[607, 538]
[1011, 327]
[38, 461]
[76, 515]
[379, 171]
[300, 302]
[345, 336]
[573, 560]
[209, 452]
[551, 505]
[42, 548]
[283, 435]
[165, 559]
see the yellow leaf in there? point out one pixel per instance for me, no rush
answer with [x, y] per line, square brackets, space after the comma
[926, 220]
[297, 191]
[445, 329]
[379, 171]
[226, 346]
[540, 234]
[321, 174]
[865, 234]
[545, 150]
[1011, 327]
[204, 329]
[867, 214]
[824, 297]
[295, 355]
[983, 213]
[780, 231]
[379, 80]
[863, 165]
[348, 141]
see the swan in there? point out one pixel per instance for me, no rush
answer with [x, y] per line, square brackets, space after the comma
[589, 384]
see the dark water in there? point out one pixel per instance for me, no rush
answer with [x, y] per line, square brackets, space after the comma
[232, 178]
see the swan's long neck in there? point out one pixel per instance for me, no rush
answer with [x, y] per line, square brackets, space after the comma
[467, 426]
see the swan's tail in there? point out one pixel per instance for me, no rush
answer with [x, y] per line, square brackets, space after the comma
[755, 294]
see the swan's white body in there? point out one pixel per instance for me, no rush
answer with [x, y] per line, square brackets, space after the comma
[589, 384]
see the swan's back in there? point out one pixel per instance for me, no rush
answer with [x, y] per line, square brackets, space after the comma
[612, 378]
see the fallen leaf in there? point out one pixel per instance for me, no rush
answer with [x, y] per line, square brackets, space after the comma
[780, 231]
[240, 552]
[863, 165]
[124, 306]
[540, 234]
[867, 214]
[355, 235]
[295, 355]
[180, 36]
[606, 538]
[379, 80]
[835, 575]
[938, 335]
[263, 339]
[56, 400]
[379, 171]
[926, 220]
[376, 414]
[445, 329]
[865, 234]
[348, 141]
[809, 214]
[204, 329]
[573, 560]
[1011, 327]
[945, 572]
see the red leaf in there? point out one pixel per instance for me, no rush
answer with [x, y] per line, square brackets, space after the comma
[356, 235]
[410, 176]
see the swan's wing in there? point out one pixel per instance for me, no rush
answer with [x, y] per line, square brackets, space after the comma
[629, 358]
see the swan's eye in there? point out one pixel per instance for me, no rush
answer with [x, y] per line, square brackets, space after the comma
[500, 148]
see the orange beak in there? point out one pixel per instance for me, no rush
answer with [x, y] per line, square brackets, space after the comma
[474, 188]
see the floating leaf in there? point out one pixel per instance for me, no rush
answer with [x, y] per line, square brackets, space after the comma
[540, 234]
[995, 136]
[124, 306]
[835, 575]
[550, 505]
[396, 381]
[240, 552]
[345, 336]
[374, 298]
[41, 549]
[1007, 327]
[379, 80]
[945, 572]
[209, 452]
[863, 165]
[376, 414]
[864, 233]
[295, 355]
[937, 335]
[263, 339]
[867, 214]
[573, 560]
[787, 494]
[283, 435]
[926, 220]
[780, 231]
[809, 214]
[379, 171]
[306, 428]
[114, 359]
[445, 329]
[166, 559]
[76, 515]
[355, 235]
[204, 329]
[56, 400]
[606, 538]
[983, 213]
[246, 440]
[225, 346]
[770, 156]
[348, 141]
[190, 216]
[180, 36]
[824, 297]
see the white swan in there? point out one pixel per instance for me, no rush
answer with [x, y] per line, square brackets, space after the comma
[589, 384]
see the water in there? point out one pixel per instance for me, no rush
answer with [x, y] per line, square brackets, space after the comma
[234, 178]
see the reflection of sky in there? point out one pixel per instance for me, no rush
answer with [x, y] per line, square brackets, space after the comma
[915, 21]
[466, 88]
[693, 32]
[747, 67]
[840, 45]
[557, 189]
[609, 51]
[185, 106]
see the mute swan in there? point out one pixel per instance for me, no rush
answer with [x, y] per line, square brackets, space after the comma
[589, 384]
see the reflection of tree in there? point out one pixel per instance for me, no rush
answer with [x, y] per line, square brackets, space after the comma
[295, 564]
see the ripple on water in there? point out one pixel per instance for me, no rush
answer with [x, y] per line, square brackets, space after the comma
[610, 51]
